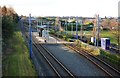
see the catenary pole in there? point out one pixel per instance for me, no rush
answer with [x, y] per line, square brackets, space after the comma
[77, 27]
[30, 36]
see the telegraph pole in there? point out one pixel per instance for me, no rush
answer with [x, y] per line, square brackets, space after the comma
[30, 36]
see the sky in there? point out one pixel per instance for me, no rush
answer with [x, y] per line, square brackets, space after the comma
[84, 8]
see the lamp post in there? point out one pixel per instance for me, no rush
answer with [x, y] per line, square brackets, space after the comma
[30, 36]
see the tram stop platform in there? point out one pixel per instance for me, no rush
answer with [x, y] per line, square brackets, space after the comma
[49, 40]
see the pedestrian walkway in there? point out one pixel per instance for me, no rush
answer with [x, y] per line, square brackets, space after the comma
[49, 40]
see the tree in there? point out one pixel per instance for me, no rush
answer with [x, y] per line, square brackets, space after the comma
[7, 27]
[9, 20]
[4, 10]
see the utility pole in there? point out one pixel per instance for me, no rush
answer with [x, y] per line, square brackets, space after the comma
[30, 36]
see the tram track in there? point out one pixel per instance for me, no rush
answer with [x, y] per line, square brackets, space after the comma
[108, 69]
[59, 69]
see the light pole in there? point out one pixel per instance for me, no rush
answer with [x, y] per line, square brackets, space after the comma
[30, 36]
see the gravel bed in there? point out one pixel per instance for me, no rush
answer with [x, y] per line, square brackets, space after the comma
[43, 67]
[78, 64]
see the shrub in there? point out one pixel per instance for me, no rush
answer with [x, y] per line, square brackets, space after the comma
[91, 43]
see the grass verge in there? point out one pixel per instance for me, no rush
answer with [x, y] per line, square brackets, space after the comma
[17, 62]
[114, 59]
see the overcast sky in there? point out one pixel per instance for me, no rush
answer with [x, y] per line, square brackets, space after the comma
[87, 8]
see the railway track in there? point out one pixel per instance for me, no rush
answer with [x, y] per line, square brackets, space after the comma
[108, 69]
[59, 69]
[55, 64]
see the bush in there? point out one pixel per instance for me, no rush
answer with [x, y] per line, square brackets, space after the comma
[60, 36]
[106, 29]
[91, 43]
[111, 57]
